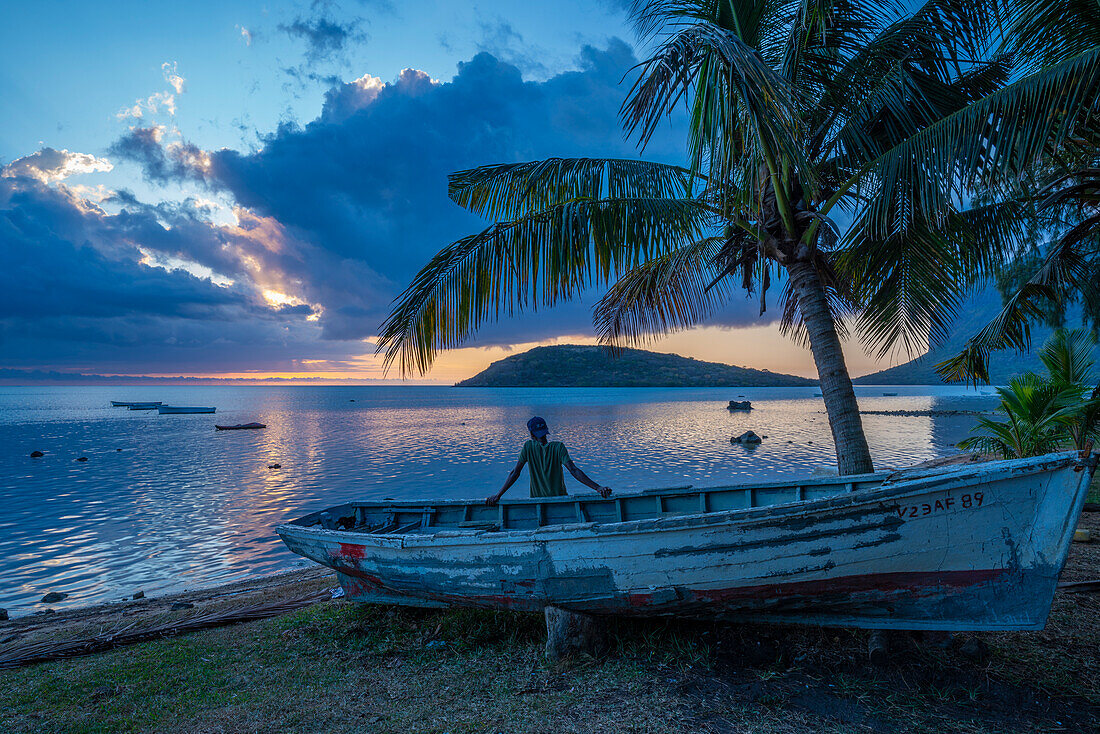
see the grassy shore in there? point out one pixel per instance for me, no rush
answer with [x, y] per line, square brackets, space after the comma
[341, 667]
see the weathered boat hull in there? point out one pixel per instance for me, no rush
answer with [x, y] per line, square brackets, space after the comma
[965, 548]
[132, 405]
[182, 410]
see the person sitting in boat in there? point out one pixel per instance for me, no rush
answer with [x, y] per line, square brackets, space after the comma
[544, 460]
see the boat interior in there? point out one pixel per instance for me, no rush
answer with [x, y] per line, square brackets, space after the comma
[389, 517]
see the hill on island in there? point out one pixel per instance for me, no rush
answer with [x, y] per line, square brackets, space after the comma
[973, 314]
[569, 365]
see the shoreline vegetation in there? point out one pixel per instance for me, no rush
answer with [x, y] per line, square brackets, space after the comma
[338, 666]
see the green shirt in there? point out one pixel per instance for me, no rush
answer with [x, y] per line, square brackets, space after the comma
[544, 463]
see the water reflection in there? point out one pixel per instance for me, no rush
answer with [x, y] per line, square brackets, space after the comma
[167, 502]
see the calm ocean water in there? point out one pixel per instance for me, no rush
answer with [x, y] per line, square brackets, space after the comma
[166, 502]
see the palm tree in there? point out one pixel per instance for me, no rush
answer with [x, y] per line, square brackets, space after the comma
[798, 110]
[1067, 355]
[1045, 413]
[1036, 414]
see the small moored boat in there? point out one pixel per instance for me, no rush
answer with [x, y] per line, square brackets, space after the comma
[971, 547]
[179, 409]
[143, 406]
[241, 427]
[130, 404]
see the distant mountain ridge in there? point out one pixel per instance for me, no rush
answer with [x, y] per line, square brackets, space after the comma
[569, 365]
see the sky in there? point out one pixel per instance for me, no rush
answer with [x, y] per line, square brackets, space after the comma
[236, 189]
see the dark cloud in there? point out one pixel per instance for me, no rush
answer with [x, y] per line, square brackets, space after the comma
[160, 164]
[499, 38]
[339, 213]
[74, 291]
[325, 37]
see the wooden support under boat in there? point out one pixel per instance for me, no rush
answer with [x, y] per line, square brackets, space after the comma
[967, 547]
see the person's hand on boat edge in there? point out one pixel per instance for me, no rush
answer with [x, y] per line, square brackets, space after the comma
[605, 492]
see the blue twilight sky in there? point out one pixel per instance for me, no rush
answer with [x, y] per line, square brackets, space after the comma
[234, 188]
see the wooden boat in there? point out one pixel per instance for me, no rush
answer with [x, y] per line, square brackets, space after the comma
[241, 427]
[973, 547]
[143, 406]
[179, 409]
[130, 404]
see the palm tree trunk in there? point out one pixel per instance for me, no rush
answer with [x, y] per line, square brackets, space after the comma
[852, 454]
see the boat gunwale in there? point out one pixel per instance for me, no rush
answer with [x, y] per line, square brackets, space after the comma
[905, 487]
[415, 504]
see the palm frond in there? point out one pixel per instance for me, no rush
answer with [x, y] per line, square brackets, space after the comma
[1048, 31]
[533, 261]
[669, 293]
[740, 103]
[900, 102]
[995, 139]
[754, 21]
[932, 39]
[1061, 269]
[824, 34]
[513, 190]
[1067, 355]
[910, 285]
[913, 282]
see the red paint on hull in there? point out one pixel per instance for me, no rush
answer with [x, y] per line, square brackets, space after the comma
[349, 551]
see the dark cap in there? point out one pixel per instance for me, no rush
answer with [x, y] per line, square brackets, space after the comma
[537, 427]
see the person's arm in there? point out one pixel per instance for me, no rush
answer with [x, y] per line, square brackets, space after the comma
[512, 477]
[583, 478]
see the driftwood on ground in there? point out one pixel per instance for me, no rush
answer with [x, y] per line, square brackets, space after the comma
[38, 652]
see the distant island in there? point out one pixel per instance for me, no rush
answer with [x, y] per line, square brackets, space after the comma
[569, 365]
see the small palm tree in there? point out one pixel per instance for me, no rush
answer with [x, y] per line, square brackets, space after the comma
[1037, 412]
[1046, 413]
[1067, 355]
[798, 110]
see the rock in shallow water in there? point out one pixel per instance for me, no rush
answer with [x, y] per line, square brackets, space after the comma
[37, 454]
[3, 615]
[54, 596]
[739, 405]
[139, 595]
[748, 437]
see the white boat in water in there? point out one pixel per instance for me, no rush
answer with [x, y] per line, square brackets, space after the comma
[179, 409]
[972, 547]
